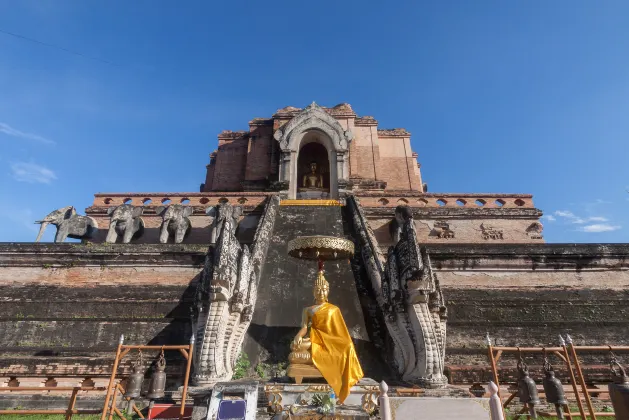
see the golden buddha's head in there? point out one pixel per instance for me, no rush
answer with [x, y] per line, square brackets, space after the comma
[313, 167]
[321, 289]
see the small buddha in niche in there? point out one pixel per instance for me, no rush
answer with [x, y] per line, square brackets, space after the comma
[313, 179]
[328, 351]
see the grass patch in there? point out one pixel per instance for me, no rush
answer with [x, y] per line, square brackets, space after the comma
[62, 416]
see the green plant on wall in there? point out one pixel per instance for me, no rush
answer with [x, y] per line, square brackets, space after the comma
[242, 366]
[270, 370]
[261, 370]
[323, 402]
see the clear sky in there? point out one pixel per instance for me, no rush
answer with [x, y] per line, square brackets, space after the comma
[500, 96]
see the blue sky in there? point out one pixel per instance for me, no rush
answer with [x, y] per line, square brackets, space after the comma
[500, 96]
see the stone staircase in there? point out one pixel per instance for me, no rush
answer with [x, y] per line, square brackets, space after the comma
[286, 284]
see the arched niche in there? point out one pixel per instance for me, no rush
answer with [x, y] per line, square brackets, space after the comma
[313, 125]
[314, 148]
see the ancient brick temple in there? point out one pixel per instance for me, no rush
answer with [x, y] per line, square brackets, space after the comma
[159, 267]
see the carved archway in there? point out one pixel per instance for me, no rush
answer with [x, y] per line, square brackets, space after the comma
[313, 124]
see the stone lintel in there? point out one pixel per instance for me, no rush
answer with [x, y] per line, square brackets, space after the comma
[365, 121]
[261, 122]
[530, 256]
[393, 132]
[232, 135]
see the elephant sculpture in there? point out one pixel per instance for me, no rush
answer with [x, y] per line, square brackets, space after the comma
[69, 225]
[175, 222]
[125, 220]
[220, 213]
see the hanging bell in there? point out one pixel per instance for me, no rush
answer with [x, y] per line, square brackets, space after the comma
[527, 390]
[158, 380]
[134, 382]
[619, 389]
[554, 389]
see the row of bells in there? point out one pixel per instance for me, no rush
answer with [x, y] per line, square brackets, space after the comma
[157, 383]
[527, 390]
[553, 388]
[619, 390]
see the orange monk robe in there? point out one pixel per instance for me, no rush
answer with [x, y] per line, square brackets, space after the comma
[333, 351]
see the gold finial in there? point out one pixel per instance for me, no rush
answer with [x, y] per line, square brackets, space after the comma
[321, 282]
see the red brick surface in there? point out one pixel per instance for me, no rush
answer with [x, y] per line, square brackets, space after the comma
[383, 155]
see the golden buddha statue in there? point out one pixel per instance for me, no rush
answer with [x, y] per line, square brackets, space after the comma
[312, 180]
[329, 351]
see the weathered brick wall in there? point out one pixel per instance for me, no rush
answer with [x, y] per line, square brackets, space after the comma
[468, 225]
[383, 155]
[231, 161]
[365, 153]
[399, 168]
[526, 296]
[513, 216]
[209, 177]
[258, 165]
[465, 230]
[65, 305]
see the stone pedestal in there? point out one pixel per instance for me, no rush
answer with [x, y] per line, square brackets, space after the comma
[362, 398]
[446, 408]
[301, 371]
[207, 399]
[312, 194]
[311, 412]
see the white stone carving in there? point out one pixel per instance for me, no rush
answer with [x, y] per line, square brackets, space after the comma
[227, 292]
[408, 293]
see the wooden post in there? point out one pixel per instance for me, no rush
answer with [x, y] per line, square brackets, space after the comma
[114, 409]
[566, 410]
[495, 405]
[138, 412]
[572, 378]
[112, 378]
[383, 399]
[184, 394]
[72, 403]
[577, 365]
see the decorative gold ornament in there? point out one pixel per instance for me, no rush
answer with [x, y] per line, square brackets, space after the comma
[369, 401]
[320, 248]
[319, 388]
[274, 395]
[321, 282]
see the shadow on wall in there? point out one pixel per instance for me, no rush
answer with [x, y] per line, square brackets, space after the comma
[179, 330]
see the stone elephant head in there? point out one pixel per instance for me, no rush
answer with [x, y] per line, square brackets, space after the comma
[125, 220]
[220, 213]
[402, 215]
[69, 224]
[175, 222]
